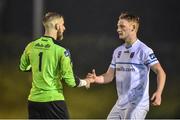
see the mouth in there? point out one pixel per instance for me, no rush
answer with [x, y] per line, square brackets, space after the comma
[120, 33]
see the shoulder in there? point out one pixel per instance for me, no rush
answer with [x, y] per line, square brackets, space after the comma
[119, 48]
[61, 48]
[144, 48]
[29, 45]
[58, 45]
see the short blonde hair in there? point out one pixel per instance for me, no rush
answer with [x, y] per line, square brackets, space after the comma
[49, 17]
[130, 17]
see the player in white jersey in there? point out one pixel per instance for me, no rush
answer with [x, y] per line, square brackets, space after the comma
[131, 64]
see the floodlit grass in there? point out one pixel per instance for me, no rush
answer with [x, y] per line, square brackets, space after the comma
[95, 102]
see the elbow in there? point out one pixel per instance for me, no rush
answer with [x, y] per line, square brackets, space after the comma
[111, 79]
[164, 75]
[162, 72]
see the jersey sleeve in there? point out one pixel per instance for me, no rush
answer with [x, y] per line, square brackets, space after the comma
[150, 58]
[113, 61]
[67, 71]
[24, 61]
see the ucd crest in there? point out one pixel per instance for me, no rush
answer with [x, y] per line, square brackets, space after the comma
[119, 54]
[132, 55]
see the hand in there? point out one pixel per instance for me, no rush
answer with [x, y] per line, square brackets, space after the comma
[92, 76]
[88, 81]
[156, 99]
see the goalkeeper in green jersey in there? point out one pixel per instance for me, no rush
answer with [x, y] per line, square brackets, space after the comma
[50, 63]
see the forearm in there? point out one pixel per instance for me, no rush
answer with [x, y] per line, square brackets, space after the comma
[161, 78]
[100, 79]
[103, 79]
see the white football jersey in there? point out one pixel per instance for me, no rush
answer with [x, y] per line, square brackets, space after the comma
[132, 66]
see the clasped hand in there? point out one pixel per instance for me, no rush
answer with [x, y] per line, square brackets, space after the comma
[90, 78]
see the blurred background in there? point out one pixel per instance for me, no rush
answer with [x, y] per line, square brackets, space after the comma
[91, 36]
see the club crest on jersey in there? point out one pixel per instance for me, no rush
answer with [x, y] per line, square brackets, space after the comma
[67, 53]
[119, 54]
[152, 56]
[132, 55]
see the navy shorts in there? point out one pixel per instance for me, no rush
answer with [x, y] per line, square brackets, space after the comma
[51, 110]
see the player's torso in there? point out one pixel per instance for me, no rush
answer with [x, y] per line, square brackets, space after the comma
[131, 72]
[44, 58]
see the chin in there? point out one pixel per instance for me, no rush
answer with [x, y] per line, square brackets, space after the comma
[60, 37]
[120, 37]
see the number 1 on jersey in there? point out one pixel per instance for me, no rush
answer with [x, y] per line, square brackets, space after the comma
[40, 61]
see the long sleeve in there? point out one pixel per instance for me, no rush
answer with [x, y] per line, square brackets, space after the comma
[24, 61]
[67, 71]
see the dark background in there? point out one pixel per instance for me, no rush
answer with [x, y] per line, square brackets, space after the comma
[91, 36]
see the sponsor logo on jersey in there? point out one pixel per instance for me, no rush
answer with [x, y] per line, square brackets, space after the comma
[44, 39]
[129, 69]
[42, 45]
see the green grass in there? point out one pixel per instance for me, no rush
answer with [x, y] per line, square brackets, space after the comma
[95, 102]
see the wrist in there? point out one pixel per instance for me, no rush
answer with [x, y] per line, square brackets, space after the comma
[82, 83]
[159, 91]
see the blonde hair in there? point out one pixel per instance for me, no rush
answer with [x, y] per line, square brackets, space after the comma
[130, 17]
[50, 19]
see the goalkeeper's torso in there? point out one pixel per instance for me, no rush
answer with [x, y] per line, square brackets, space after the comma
[44, 56]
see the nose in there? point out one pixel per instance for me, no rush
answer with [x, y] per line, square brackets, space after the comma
[118, 30]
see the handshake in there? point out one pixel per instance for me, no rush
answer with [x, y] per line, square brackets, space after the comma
[90, 78]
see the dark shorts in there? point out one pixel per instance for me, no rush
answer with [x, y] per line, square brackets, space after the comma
[54, 109]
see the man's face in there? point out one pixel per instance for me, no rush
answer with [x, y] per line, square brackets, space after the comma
[60, 29]
[124, 29]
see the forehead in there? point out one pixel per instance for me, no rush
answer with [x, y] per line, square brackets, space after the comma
[59, 20]
[123, 22]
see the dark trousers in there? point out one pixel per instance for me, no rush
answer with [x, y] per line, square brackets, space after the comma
[51, 110]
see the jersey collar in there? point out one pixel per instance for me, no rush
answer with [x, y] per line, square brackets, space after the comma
[49, 37]
[129, 46]
[54, 41]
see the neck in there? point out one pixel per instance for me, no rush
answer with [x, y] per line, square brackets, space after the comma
[131, 40]
[51, 33]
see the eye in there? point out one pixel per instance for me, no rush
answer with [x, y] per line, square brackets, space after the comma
[121, 26]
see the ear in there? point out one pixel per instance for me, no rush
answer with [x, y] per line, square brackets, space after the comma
[133, 27]
[57, 26]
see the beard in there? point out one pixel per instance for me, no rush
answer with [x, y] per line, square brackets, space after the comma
[60, 36]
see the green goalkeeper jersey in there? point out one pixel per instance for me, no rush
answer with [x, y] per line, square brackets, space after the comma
[50, 64]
